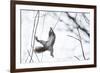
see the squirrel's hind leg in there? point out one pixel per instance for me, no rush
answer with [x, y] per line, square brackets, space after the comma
[51, 51]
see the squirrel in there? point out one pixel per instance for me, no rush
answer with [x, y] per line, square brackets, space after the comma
[47, 45]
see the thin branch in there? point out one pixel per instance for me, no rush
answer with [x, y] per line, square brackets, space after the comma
[81, 44]
[34, 36]
[78, 26]
[56, 21]
[73, 37]
[33, 33]
[86, 19]
[77, 58]
[56, 24]
[60, 19]
[28, 56]
[33, 30]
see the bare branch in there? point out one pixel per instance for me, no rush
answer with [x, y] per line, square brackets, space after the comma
[28, 56]
[78, 26]
[34, 30]
[86, 19]
[81, 44]
[59, 19]
[77, 58]
[73, 37]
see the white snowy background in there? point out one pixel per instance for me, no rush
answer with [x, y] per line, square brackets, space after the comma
[66, 48]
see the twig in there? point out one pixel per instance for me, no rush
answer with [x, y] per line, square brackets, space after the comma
[77, 58]
[86, 19]
[33, 30]
[81, 44]
[74, 20]
[56, 22]
[28, 56]
[73, 37]
[59, 19]
[78, 26]
[34, 36]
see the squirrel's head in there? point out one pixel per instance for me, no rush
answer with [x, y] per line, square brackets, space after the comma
[51, 30]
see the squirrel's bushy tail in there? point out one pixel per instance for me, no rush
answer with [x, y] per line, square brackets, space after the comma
[40, 49]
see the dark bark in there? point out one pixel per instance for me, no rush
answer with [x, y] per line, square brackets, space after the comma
[78, 25]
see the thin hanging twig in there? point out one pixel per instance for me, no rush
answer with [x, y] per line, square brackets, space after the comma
[74, 20]
[28, 56]
[33, 29]
[73, 37]
[58, 19]
[56, 23]
[33, 33]
[77, 58]
[86, 19]
[81, 28]
[81, 44]
[34, 36]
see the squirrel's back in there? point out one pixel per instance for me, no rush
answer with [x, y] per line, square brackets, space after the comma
[40, 49]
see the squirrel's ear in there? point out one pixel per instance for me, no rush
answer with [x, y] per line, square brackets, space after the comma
[51, 28]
